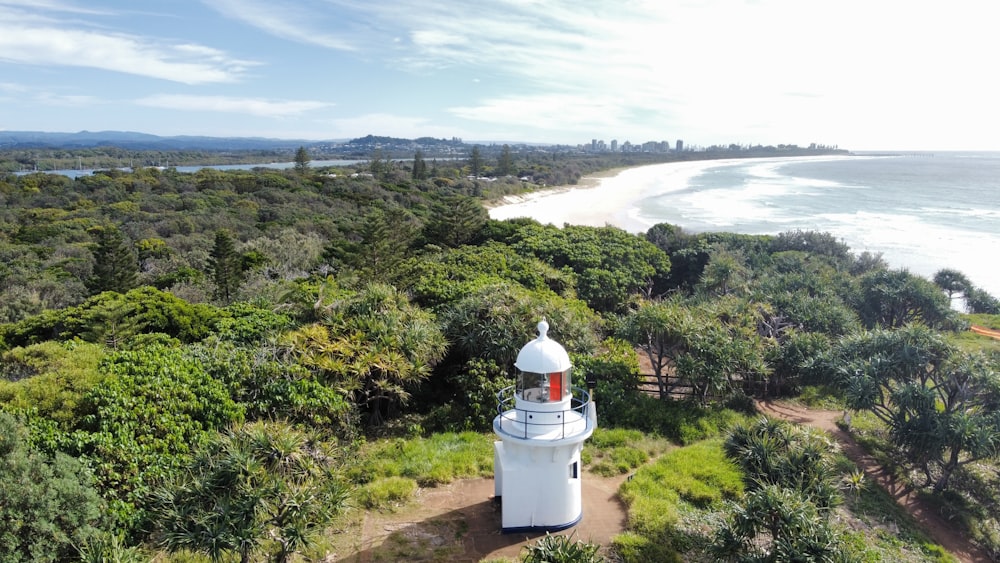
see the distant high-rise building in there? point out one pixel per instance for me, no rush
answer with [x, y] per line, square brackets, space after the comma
[593, 144]
[614, 145]
[680, 145]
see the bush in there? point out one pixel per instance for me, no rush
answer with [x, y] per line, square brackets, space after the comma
[48, 506]
[562, 549]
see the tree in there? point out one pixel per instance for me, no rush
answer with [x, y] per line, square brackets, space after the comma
[725, 273]
[265, 484]
[381, 244]
[374, 345]
[116, 267]
[505, 164]
[785, 515]
[225, 265]
[48, 505]
[456, 221]
[476, 162]
[980, 301]
[951, 282]
[302, 160]
[419, 166]
[895, 298]
[941, 407]
[659, 329]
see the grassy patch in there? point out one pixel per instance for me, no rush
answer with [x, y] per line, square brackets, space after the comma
[681, 422]
[386, 494]
[698, 476]
[431, 461]
[617, 451]
[824, 397]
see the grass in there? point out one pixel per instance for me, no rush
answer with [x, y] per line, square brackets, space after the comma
[386, 494]
[617, 451]
[435, 460]
[824, 397]
[698, 475]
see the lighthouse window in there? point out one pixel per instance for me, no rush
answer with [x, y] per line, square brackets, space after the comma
[574, 470]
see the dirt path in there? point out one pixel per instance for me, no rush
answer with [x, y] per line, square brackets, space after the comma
[985, 331]
[459, 522]
[939, 529]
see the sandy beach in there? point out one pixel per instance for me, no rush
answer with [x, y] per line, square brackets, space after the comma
[611, 197]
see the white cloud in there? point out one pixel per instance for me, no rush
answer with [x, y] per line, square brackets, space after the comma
[249, 106]
[294, 21]
[115, 52]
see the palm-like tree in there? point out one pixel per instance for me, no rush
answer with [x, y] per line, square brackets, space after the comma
[262, 486]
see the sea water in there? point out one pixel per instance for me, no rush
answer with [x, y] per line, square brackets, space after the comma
[922, 212]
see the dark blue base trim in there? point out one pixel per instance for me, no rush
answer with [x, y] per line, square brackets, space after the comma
[539, 529]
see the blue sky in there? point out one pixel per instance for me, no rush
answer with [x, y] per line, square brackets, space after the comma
[861, 74]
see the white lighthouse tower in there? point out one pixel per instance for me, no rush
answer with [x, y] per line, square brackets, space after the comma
[542, 423]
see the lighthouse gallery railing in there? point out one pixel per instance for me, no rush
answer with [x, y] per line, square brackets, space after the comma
[507, 411]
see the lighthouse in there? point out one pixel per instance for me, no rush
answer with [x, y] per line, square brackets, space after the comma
[542, 422]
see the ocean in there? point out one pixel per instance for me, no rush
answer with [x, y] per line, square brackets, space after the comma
[922, 212]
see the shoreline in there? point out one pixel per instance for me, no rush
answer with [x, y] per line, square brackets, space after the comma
[613, 197]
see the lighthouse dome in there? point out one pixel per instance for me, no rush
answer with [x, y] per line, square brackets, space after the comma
[543, 355]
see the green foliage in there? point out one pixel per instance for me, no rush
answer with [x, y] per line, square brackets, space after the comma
[452, 274]
[495, 321]
[270, 388]
[615, 361]
[440, 458]
[48, 505]
[611, 264]
[774, 524]
[116, 267]
[49, 380]
[468, 396]
[940, 407]
[775, 453]
[154, 406]
[113, 318]
[785, 515]
[246, 323]
[682, 422]
[261, 487]
[373, 345]
[895, 298]
[561, 549]
[225, 265]
[632, 547]
[301, 160]
[699, 474]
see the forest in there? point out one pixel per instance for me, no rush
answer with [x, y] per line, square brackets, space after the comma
[223, 366]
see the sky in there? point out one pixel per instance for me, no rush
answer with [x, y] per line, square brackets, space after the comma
[858, 74]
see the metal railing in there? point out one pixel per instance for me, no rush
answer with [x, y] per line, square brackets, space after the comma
[507, 411]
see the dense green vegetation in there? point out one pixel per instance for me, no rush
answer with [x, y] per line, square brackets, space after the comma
[221, 351]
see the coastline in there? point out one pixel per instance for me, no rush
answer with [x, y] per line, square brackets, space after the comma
[613, 197]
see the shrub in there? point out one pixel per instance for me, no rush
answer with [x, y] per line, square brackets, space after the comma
[562, 549]
[47, 505]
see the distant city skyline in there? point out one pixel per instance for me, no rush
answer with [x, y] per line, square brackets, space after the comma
[893, 75]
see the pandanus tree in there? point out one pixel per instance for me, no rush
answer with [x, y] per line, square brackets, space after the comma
[260, 487]
[941, 406]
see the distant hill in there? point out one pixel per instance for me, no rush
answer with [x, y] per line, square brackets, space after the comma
[143, 141]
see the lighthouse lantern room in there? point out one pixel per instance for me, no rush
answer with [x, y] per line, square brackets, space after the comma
[542, 422]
